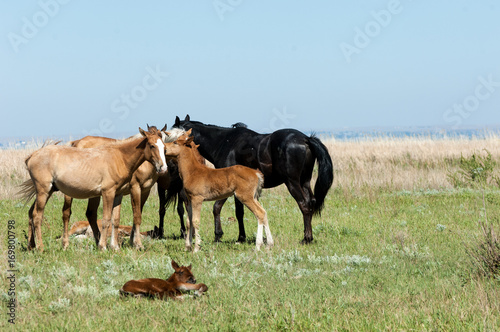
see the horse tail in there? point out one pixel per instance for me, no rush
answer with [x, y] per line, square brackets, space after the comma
[27, 191]
[325, 172]
[260, 184]
[175, 186]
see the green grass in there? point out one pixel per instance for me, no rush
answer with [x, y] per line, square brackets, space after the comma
[382, 261]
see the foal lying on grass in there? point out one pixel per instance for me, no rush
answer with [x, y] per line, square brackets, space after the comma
[182, 280]
[202, 183]
[82, 228]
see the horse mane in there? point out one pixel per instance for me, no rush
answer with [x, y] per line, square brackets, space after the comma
[173, 134]
[239, 125]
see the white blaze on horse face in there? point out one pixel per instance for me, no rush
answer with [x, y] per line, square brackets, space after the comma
[161, 150]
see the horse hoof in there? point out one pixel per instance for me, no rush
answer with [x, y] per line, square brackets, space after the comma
[103, 248]
[242, 239]
[306, 241]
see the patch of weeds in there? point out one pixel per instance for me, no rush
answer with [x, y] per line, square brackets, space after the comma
[440, 228]
[346, 231]
[410, 251]
[352, 260]
[306, 272]
[61, 305]
[485, 252]
[474, 171]
[289, 257]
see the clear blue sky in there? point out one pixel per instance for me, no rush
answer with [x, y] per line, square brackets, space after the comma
[74, 67]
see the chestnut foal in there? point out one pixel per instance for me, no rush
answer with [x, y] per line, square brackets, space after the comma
[202, 183]
[182, 280]
[86, 173]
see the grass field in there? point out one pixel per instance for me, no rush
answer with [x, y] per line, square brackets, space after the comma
[389, 254]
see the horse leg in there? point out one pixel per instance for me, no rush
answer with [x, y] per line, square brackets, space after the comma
[31, 233]
[40, 202]
[195, 221]
[144, 197]
[115, 217]
[304, 198]
[91, 214]
[218, 227]
[189, 228]
[107, 211]
[66, 216]
[181, 200]
[135, 237]
[239, 216]
[263, 224]
[161, 210]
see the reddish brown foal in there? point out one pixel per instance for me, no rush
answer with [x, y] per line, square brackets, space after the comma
[86, 173]
[202, 183]
[182, 280]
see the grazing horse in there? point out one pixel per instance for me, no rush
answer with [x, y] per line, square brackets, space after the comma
[202, 183]
[284, 156]
[139, 188]
[180, 281]
[86, 173]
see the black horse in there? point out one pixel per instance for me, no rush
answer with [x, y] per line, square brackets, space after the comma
[285, 156]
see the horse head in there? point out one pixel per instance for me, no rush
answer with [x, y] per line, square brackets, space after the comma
[182, 274]
[154, 149]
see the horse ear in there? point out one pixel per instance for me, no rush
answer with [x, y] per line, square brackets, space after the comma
[174, 265]
[177, 121]
[196, 146]
[142, 131]
[187, 118]
[148, 126]
[164, 127]
[190, 267]
[188, 133]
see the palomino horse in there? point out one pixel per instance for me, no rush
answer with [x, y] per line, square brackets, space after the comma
[180, 281]
[284, 156]
[202, 183]
[82, 229]
[139, 188]
[87, 173]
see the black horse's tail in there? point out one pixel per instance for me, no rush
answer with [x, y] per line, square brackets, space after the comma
[325, 172]
[175, 186]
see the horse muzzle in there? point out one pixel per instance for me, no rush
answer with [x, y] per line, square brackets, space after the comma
[161, 169]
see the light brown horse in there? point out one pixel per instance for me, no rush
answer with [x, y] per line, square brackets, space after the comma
[202, 183]
[87, 173]
[139, 188]
[82, 229]
[180, 281]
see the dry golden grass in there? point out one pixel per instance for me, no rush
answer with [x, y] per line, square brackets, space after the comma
[402, 163]
[375, 164]
[12, 171]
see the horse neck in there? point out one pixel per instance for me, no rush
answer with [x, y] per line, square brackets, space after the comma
[172, 278]
[188, 161]
[206, 136]
[131, 154]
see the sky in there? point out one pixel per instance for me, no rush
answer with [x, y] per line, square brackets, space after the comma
[74, 67]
